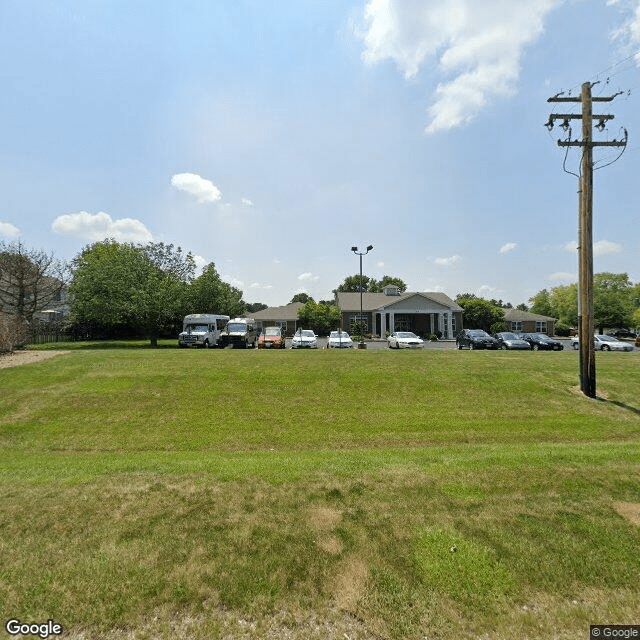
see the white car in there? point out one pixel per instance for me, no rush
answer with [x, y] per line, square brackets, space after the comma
[304, 339]
[404, 340]
[604, 343]
[339, 340]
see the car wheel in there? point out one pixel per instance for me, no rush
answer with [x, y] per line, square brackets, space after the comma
[576, 346]
[459, 345]
[471, 346]
[504, 347]
[206, 344]
[536, 347]
[606, 347]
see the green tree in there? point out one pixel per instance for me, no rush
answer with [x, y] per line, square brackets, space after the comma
[254, 307]
[209, 294]
[478, 312]
[541, 304]
[352, 284]
[321, 318]
[564, 304]
[301, 297]
[612, 300]
[122, 283]
[378, 286]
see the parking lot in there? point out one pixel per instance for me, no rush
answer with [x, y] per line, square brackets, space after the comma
[443, 344]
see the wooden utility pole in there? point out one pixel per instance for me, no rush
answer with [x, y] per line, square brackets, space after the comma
[585, 224]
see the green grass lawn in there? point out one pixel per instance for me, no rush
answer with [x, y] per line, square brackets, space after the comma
[163, 493]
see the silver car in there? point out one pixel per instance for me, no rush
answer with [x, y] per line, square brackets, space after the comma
[604, 343]
[339, 340]
[508, 340]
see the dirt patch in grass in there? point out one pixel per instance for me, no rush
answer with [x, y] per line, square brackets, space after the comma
[350, 583]
[17, 358]
[629, 510]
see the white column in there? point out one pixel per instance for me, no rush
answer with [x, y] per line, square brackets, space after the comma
[450, 332]
[392, 322]
[441, 323]
[383, 323]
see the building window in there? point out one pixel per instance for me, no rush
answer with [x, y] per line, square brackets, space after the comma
[517, 326]
[454, 328]
[541, 326]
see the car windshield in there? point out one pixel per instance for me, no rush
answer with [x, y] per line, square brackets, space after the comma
[509, 336]
[272, 331]
[338, 335]
[478, 333]
[236, 327]
[308, 334]
[196, 327]
[541, 336]
[406, 334]
[608, 339]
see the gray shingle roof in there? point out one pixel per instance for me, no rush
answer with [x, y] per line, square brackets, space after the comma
[515, 315]
[374, 301]
[286, 312]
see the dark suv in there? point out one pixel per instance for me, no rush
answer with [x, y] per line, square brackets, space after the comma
[542, 341]
[475, 339]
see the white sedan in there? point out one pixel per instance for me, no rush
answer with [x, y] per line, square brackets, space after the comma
[339, 340]
[304, 339]
[404, 340]
[604, 343]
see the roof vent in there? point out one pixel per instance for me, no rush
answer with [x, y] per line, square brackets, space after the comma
[391, 290]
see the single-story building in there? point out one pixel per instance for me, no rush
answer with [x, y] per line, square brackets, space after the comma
[526, 322]
[285, 317]
[421, 312]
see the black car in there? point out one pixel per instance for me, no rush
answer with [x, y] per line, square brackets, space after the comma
[621, 333]
[475, 339]
[539, 341]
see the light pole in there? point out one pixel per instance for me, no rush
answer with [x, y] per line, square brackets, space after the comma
[362, 345]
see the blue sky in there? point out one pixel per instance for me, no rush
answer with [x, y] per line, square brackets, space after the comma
[270, 138]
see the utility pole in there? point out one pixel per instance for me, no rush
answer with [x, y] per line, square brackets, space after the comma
[585, 222]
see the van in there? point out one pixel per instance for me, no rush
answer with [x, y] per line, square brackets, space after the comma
[201, 330]
[239, 332]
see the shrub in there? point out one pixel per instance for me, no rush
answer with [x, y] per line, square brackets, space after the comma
[13, 334]
[562, 330]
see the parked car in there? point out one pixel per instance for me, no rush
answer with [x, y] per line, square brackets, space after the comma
[541, 341]
[304, 339]
[404, 340]
[475, 339]
[622, 333]
[339, 340]
[271, 338]
[604, 343]
[508, 340]
[239, 332]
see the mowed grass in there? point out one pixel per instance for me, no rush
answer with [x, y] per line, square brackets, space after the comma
[374, 494]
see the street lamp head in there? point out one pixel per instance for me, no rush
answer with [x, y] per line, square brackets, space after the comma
[369, 248]
[354, 249]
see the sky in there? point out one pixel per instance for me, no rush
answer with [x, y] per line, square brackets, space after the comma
[271, 137]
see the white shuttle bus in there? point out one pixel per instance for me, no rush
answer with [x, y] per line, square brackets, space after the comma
[201, 330]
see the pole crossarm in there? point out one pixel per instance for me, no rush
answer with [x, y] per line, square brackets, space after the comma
[579, 143]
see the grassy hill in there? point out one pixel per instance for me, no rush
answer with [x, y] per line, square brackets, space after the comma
[372, 494]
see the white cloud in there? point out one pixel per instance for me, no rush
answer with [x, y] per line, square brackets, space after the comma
[604, 246]
[486, 290]
[448, 262]
[600, 247]
[234, 282]
[98, 226]
[247, 203]
[380, 264]
[201, 262]
[8, 229]
[477, 47]
[561, 275]
[506, 248]
[308, 277]
[629, 32]
[204, 190]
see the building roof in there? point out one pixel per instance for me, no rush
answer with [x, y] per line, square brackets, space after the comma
[376, 301]
[515, 315]
[285, 312]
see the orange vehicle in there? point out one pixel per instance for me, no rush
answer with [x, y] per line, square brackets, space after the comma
[271, 338]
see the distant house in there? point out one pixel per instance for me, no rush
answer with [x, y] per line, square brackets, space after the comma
[285, 317]
[526, 322]
[421, 312]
